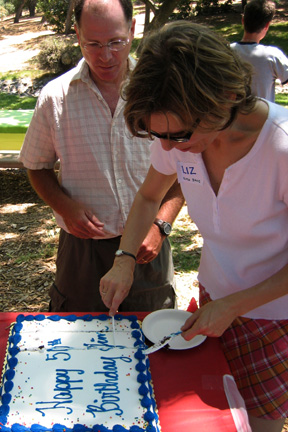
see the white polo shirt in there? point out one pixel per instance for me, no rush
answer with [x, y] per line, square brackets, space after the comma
[102, 165]
[244, 227]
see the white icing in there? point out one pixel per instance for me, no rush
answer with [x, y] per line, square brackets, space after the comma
[70, 372]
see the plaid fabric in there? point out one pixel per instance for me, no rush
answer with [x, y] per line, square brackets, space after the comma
[257, 353]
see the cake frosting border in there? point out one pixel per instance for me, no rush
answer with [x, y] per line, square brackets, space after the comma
[145, 390]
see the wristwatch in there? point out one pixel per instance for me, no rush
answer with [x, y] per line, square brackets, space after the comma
[165, 227]
[120, 252]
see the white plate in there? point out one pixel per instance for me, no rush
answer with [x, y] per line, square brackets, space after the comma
[162, 322]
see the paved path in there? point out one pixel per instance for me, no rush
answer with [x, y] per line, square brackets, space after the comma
[13, 58]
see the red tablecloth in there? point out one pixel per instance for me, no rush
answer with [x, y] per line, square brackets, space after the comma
[188, 384]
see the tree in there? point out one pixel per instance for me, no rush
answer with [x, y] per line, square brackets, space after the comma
[68, 22]
[18, 10]
[161, 14]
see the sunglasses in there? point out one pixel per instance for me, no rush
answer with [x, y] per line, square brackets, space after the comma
[181, 137]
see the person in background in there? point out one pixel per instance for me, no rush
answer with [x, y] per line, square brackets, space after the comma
[269, 62]
[79, 120]
[229, 151]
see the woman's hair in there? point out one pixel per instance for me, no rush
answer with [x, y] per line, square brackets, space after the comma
[187, 69]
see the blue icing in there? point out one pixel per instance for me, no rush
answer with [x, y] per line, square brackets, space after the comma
[8, 386]
[100, 428]
[4, 428]
[149, 416]
[139, 355]
[17, 327]
[136, 334]
[12, 362]
[103, 317]
[142, 377]
[9, 375]
[80, 428]
[4, 410]
[118, 428]
[88, 317]
[140, 367]
[146, 402]
[39, 428]
[40, 317]
[19, 428]
[13, 351]
[71, 318]
[151, 428]
[143, 390]
[60, 428]
[54, 317]
[6, 398]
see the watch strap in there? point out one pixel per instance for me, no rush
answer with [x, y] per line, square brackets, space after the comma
[160, 223]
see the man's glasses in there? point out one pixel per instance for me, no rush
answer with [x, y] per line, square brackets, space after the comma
[115, 45]
[181, 137]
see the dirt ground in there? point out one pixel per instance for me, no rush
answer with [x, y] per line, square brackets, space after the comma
[28, 239]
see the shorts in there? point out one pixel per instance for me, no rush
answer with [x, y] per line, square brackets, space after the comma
[257, 353]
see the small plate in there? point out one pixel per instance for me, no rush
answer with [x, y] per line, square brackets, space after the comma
[162, 322]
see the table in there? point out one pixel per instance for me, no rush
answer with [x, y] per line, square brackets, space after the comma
[188, 384]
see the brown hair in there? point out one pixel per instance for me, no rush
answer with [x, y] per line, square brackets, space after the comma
[257, 14]
[187, 69]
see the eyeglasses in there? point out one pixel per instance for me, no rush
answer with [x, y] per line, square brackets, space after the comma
[185, 137]
[115, 45]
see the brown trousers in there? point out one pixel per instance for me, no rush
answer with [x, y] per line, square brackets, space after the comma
[82, 263]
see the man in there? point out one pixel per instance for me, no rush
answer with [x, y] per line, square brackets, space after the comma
[79, 120]
[269, 62]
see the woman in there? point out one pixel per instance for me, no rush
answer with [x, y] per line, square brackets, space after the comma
[229, 151]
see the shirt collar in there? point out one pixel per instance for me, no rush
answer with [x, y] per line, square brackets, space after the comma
[81, 71]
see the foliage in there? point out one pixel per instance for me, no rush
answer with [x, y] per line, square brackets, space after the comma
[212, 7]
[58, 56]
[55, 12]
[184, 10]
[15, 102]
[6, 8]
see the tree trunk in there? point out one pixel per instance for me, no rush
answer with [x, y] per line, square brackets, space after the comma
[32, 8]
[147, 17]
[161, 16]
[68, 22]
[19, 11]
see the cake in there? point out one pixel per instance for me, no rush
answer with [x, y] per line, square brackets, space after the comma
[66, 373]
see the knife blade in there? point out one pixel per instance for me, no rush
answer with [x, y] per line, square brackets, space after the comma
[113, 326]
[161, 343]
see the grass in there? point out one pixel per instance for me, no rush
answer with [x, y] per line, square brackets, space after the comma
[15, 102]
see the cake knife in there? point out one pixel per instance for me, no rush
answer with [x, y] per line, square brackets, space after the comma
[161, 343]
[113, 326]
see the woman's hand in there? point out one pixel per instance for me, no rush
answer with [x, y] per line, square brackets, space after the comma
[116, 284]
[212, 320]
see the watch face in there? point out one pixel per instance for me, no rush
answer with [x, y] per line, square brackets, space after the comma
[167, 228]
